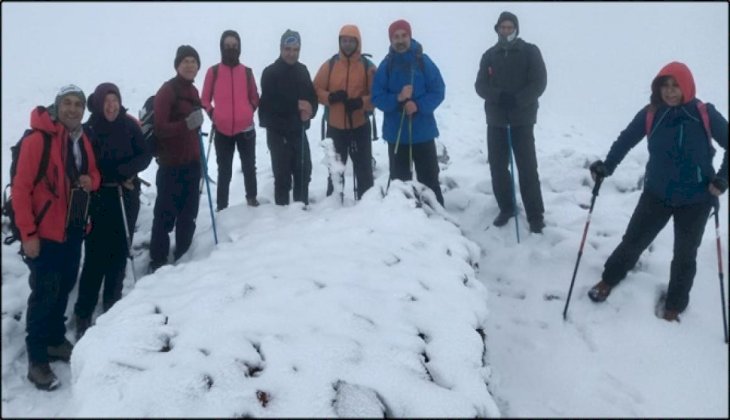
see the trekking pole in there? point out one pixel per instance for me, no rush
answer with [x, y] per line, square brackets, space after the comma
[126, 231]
[599, 180]
[207, 155]
[410, 145]
[305, 200]
[719, 271]
[395, 151]
[512, 174]
[204, 165]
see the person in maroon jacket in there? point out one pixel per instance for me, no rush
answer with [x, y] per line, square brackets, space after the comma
[230, 97]
[51, 240]
[178, 117]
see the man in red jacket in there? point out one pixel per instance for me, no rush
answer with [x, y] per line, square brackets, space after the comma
[52, 221]
[178, 117]
[230, 97]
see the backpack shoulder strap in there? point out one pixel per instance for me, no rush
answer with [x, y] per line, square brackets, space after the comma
[332, 61]
[702, 108]
[215, 79]
[249, 83]
[45, 158]
[650, 113]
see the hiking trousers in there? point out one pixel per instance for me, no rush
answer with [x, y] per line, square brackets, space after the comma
[52, 277]
[176, 206]
[290, 161]
[649, 218]
[424, 160]
[225, 147]
[105, 249]
[355, 143]
[525, 158]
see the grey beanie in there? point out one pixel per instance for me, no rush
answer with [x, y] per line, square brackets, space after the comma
[70, 90]
[290, 38]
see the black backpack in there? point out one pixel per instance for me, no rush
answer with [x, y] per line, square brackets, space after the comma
[7, 209]
[147, 124]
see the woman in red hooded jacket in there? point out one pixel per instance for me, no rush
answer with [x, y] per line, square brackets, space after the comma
[680, 182]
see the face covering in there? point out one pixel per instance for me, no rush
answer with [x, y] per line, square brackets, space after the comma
[230, 56]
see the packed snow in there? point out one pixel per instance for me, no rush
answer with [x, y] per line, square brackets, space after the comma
[391, 306]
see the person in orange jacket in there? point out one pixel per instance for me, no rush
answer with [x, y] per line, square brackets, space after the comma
[343, 83]
[52, 223]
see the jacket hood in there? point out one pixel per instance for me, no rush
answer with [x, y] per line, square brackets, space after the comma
[95, 103]
[353, 31]
[681, 73]
[40, 119]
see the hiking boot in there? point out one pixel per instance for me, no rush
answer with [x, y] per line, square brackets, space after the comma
[537, 226]
[252, 202]
[670, 315]
[42, 376]
[60, 352]
[600, 291]
[502, 218]
[82, 324]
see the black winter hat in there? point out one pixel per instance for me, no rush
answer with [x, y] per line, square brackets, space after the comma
[508, 16]
[186, 51]
[232, 33]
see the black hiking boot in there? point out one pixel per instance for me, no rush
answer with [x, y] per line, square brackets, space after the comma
[536, 226]
[42, 376]
[60, 352]
[503, 218]
[82, 324]
[252, 202]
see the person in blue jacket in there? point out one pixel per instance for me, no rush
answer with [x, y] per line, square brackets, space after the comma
[680, 182]
[408, 88]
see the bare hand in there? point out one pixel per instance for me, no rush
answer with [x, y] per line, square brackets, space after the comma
[305, 110]
[411, 108]
[405, 93]
[714, 190]
[32, 247]
[85, 182]
[129, 184]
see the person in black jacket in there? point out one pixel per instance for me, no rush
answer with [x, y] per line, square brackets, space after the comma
[511, 78]
[120, 154]
[288, 103]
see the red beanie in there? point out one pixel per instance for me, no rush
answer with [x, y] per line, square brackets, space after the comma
[399, 24]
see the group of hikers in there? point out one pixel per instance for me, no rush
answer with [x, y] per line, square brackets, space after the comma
[88, 191]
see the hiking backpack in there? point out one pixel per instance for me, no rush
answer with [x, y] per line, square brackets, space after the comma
[704, 116]
[147, 121]
[7, 209]
[365, 60]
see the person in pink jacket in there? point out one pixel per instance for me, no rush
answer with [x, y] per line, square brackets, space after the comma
[230, 97]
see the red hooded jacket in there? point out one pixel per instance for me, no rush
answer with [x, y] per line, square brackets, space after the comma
[55, 187]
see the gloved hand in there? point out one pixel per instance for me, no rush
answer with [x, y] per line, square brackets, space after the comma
[337, 96]
[720, 184]
[598, 169]
[507, 100]
[353, 104]
[195, 119]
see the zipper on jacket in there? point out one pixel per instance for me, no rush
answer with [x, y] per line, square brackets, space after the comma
[233, 103]
[347, 85]
[681, 135]
[699, 175]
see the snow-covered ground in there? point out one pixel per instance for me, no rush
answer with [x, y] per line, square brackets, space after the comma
[391, 306]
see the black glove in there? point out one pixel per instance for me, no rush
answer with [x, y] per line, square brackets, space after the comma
[598, 169]
[720, 184]
[353, 104]
[507, 100]
[338, 96]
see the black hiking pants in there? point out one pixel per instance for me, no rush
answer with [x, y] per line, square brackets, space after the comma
[525, 158]
[105, 249]
[425, 161]
[290, 160]
[176, 207]
[355, 143]
[225, 146]
[649, 218]
[52, 277]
